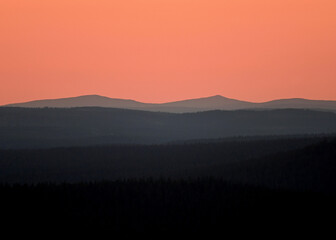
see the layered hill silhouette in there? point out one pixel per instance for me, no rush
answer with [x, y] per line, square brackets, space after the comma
[131, 189]
[51, 127]
[300, 163]
[191, 105]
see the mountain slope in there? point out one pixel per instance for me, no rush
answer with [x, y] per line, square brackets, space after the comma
[299, 103]
[210, 103]
[82, 101]
[310, 168]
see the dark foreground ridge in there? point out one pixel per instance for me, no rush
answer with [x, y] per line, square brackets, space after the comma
[206, 187]
[128, 207]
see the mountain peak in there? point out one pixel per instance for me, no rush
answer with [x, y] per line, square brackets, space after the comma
[218, 97]
[222, 98]
[93, 95]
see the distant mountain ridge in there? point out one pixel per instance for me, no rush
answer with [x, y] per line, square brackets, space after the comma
[216, 102]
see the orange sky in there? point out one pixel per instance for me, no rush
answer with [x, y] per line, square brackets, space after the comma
[162, 50]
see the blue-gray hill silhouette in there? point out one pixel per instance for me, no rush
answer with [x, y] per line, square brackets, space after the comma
[191, 105]
[48, 127]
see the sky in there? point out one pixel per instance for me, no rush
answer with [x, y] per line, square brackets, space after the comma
[166, 50]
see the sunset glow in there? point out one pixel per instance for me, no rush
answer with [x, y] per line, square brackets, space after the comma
[165, 50]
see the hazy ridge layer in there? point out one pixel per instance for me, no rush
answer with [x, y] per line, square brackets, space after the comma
[45, 127]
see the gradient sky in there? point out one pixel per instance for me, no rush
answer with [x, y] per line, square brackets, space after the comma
[163, 50]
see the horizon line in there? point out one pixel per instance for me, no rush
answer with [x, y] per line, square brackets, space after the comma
[163, 102]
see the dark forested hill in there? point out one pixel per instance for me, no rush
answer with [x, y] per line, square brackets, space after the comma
[191, 188]
[165, 208]
[293, 163]
[36, 128]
